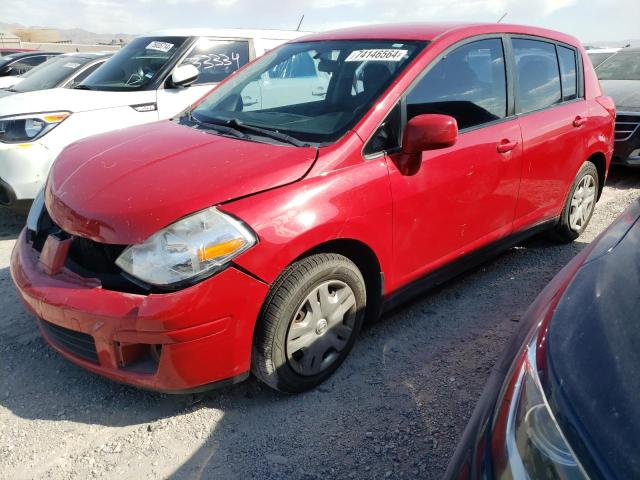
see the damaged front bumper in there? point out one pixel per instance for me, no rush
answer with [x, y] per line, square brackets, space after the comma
[172, 342]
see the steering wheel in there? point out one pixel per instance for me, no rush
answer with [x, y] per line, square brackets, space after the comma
[136, 77]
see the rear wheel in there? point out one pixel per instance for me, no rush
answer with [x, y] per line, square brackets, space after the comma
[579, 205]
[309, 322]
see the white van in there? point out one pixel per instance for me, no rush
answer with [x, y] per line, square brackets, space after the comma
[154, 77]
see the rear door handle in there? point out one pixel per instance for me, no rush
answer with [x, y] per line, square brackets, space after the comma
[506, 146]
[579, 121]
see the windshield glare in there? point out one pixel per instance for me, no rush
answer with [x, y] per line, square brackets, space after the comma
[621, 66]
[50, 74]
[136, 65]
[312, 91]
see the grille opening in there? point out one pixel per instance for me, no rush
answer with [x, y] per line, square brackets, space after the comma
[626, 126]
[87, 258]
[78, 343]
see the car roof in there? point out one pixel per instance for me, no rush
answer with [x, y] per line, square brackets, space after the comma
[431, 31]
[228, 33]
[628, 49]
[87, 55]
[29, 54]
[603, 50]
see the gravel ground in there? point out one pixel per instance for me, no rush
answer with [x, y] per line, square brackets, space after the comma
[395, 409]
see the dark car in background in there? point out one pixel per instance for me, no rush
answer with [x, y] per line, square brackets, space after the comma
[599, 55]
[562, 403]
[620, 79]
[22, 62]
[66, 70]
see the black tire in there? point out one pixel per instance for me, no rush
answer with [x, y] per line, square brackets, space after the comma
[270, 363]
[563, 232]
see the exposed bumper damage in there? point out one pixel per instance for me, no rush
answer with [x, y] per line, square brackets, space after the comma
[171, 342]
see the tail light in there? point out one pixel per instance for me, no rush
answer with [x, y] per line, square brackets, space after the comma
[608, 104]
[527, 441]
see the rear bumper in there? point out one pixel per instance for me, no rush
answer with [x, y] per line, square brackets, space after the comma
[173, 342]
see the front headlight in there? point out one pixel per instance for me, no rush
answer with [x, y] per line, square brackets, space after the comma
[191, 248]
[29, 127]
[535, 447]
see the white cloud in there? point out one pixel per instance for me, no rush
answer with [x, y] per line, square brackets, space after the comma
[587, 19]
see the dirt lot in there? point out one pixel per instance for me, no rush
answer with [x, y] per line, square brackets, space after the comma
[395, 409]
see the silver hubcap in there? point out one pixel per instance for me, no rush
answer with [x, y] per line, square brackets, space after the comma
[321, 327]
[582, 203]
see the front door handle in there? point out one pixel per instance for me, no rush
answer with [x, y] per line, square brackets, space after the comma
[579, 121]
[506, 146]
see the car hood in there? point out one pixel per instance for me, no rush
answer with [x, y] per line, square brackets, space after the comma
[5, 93]
[9, 81]
[593, 352]
[625, 93]
[121, 187]
[69, 99]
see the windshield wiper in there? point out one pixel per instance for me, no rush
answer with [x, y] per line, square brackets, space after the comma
[238, 125]
[216, 126]
[82, 87]
[283, 137]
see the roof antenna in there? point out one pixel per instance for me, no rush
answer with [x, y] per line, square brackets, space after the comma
[502, 17]
[300, 23]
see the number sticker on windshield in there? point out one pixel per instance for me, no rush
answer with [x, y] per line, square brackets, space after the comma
[160, 46]
[376, 55]
[71, 65]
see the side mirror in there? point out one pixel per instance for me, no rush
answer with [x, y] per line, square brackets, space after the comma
[184, 75]
[429, 132]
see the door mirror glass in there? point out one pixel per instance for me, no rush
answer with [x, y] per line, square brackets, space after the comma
[184, 75]
[429, 132]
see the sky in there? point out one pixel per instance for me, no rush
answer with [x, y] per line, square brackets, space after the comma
[589, 20]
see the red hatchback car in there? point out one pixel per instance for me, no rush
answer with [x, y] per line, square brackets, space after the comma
[320, 185]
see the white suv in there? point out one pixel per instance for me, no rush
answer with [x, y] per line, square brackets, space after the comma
[152, 78]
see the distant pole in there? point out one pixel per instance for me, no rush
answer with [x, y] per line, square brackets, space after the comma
[300, 23]
[502, 17]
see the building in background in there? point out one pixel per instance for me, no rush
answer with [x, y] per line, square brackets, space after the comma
[9, 40]
[40, 35]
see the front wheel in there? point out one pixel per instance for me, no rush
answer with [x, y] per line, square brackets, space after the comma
[579, 205]
[309, 322]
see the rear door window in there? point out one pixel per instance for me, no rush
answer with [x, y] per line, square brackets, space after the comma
[468, 84]
[537, 75]
[568, 73]
[217, 59]
[26, 64]
[79, 78]
[298, 66]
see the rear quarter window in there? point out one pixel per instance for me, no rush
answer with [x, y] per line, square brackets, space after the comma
[568, 73]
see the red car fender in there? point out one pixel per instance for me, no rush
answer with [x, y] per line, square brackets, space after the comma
[353, 203]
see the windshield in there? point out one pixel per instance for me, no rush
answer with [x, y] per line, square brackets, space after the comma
[6, 59]
[50, 74]
[136, 65]
[598, 58]
[311, 91]
[621, 66]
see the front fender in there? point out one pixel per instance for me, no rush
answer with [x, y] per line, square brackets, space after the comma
[351, 203]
